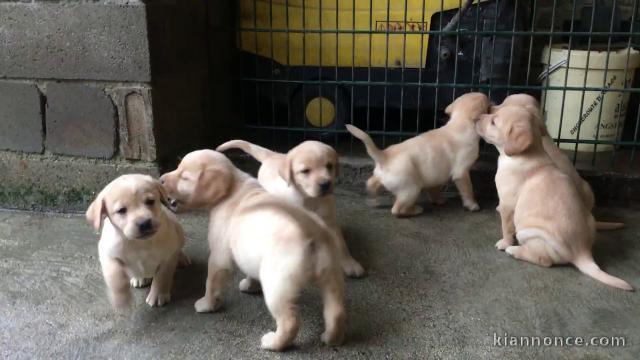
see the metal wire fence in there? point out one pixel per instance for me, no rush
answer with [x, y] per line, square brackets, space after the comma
[308, 67]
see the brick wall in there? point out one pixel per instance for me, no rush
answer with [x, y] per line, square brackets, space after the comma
[111, 79]
[92, 89]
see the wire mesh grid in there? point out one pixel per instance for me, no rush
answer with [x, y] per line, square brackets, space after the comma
[308, 67]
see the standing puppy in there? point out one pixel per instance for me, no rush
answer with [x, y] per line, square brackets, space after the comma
[281, 245]
[141, 238]
[563, 163]
[304, 176]
[430, 160]
[540, 206]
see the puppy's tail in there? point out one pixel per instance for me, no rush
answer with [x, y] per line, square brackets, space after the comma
[603, 225]
[258, 152]
[376, 154]
[588, 266]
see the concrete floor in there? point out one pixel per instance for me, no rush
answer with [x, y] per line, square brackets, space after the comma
[436, 288]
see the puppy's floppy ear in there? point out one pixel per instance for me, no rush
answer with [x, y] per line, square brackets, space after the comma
[214, 185]
[519, 138]
[96, 211]
[286, 171]
[162, 193]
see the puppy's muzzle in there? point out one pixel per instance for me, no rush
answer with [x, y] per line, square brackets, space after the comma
[325, 187]
[146, 228]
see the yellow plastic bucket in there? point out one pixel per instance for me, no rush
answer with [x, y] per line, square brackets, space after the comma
[610, 103]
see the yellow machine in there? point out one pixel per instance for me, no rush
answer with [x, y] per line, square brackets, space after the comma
[327, 48]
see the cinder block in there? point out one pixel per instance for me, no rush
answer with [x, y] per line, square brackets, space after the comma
[74, 40]
[20, 117]
[80, 121]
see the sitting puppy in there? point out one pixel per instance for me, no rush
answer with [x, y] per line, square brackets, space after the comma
[563, 163]
[430, 160]
[540, 205]
[304, 176]
[140, 239]
[281, 245]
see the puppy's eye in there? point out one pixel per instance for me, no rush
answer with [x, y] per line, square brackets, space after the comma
[150, 202]
[493, 122]
[305, 171]
[329, 166]
[122, 211]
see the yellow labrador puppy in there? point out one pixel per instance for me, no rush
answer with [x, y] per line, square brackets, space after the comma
[278, 245]
[305, 176]
[430, 160]
[141, 239]
[540, 206]
[563, 163]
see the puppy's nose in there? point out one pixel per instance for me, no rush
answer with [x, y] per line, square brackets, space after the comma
[325, 186]
[145, 226]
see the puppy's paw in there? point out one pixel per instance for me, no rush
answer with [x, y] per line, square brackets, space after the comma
[352, 268]
[154, 299]
[502, 244]
[336, 338]
[471, 206]
[270, 341]
[414, 210]
[511, 250]
[205, 304]
[140, 282]
[183, 260]
[249, 286]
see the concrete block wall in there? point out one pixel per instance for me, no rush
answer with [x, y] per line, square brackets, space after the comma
[104, 84]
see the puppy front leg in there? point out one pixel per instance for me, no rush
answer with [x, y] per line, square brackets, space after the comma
[465, 188]
[508, 228]
[349, 265]
[160, 292]
[218, 274]
[117, 280]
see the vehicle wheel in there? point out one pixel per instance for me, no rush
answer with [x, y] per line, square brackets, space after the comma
[320, 107]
